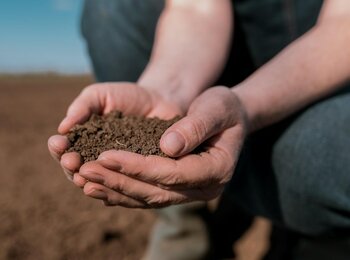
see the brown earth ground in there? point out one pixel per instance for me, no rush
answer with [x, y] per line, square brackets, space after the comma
[42, 215]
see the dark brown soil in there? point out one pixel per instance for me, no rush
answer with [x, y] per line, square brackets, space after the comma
[42, 215]
[136, 134]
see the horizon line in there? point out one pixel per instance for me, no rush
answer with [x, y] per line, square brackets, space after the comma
[44, 73]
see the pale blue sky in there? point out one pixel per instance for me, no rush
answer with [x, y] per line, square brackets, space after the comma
[41, 35]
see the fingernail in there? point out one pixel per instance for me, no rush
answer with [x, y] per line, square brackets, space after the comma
[173, 143]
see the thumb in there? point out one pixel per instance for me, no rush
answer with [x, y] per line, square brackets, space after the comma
[211, 113]
[81, 108]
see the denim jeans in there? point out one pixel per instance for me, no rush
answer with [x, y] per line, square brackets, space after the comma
[296, 172]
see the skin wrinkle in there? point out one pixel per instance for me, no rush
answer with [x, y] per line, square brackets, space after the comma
[169, 181]
[159, 199]
[110, 101]
[164, 183]
[199, 130]
[122, 201]
[153, 164]
[116, 198]
[117, 186]
[125, 180]
[100, 98]
[84, 94]
[173, 179]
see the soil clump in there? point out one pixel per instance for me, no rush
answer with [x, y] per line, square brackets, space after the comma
[100, 133]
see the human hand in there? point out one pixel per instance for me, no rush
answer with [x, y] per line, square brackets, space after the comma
[104, 98]
[215, 119]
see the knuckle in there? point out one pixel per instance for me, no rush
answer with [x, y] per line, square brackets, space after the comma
[197, 129]
[118, 186]
[172, 180]
[90, 88]
[165, 178]
[110, 201]
[158, 200]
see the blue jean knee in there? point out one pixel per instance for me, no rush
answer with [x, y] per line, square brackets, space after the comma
[311, 161]
[119, 36]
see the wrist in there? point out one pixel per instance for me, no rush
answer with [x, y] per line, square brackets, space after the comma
[170, 87]
[249, 105]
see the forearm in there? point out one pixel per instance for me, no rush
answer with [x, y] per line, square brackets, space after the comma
[191, 46]
[312, 67]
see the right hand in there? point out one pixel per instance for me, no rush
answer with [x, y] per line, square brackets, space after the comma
[103, 98]
[216, 119]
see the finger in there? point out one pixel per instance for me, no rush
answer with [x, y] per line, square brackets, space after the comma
[57, 145]
[188, 172]
[210, 114]
[70, 163]
[78, 180]
[82, 107]
[111, 198]
[151, 195]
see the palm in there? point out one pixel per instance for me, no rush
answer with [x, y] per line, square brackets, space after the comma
[104, 98]
[216, 118]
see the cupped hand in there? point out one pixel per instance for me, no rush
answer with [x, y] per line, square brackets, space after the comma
[103, 98]
[215, 120]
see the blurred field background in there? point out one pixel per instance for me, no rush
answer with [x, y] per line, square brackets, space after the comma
[42, 215]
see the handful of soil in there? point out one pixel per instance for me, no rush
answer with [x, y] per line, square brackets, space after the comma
[136, 134]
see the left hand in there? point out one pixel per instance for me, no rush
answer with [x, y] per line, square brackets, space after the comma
[129, 98]
[216, 119]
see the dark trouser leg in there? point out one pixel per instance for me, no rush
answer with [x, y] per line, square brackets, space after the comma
[297, 174]
[119, 36]
[312, 162]
[322, 176]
